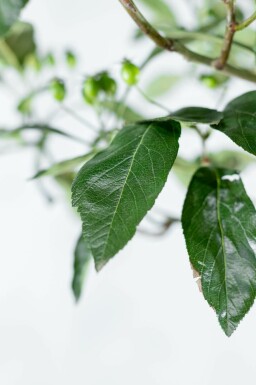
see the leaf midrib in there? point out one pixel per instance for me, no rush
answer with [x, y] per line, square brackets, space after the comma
[222, 242]
[125, 182]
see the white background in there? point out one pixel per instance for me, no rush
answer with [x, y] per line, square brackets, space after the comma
[141, 320]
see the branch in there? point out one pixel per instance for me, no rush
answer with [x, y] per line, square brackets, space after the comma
[173, 45]
[229, 36]
[145, 27]
[246, 23]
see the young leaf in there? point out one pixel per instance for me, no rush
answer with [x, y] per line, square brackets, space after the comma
[82, 258]
[114, 190]
[239, 121]
[161, 85]
[197, 115]
[219, 223]
[44, 128]
[9, 13]
[64, 166]
[121, 110]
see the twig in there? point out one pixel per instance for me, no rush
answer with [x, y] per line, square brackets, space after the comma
[79, 118]
[219, 64]
[246, 23]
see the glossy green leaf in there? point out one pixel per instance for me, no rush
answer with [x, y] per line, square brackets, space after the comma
[239, 121]
[219, 223]
[197, 115]
[64, 166]
[82, 258]
[9, 13]
[114, 190]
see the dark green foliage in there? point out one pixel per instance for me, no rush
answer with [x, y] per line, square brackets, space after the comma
[124, 169]
[239, 121]
[197, 115]
[9, 13]
[219, 223]
[114, 191]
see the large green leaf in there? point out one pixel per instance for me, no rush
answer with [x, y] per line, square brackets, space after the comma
[197, 115]
[9, 13]
[239, 121]
[114, 190]
[82, 258]
[219, 223]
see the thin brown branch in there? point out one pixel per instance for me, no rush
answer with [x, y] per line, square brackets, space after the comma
[145, 26]
[229, 36]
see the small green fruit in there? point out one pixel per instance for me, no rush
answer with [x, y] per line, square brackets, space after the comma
[58, 89]
[71, 59]
[213, 81]
[90, 90]
[107, 84]
[130, 73]
[49, 59]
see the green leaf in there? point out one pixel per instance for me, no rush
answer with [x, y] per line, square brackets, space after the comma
[219, 223]
[114, 190]
[239, 121]
[9, 13]
[82, 258]
[18, 43]
[64, 166]
[197, 115]
[161, 85]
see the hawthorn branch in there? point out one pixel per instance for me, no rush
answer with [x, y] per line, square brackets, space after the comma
[229, 36]
[146, 27]
[173, 45]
